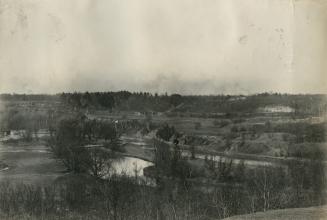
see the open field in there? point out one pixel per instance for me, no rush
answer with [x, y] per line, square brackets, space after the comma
[29, 163]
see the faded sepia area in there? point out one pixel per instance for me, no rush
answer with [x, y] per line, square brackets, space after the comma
[230, 46]
[167, 110]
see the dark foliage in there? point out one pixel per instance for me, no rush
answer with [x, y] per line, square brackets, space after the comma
[166, 132]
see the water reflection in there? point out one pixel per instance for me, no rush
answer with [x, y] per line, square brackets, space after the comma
[130, 166]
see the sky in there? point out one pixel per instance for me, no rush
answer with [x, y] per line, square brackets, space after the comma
[185, 46]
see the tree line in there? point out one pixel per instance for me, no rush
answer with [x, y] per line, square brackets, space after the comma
[315, 104]
[144, 101]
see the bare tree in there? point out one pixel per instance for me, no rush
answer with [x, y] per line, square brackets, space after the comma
[99, 161]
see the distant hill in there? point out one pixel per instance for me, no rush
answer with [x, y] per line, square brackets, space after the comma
[209, 106]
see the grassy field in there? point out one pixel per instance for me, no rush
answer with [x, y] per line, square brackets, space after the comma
[70, 216]
[313, 213]
[29, 163]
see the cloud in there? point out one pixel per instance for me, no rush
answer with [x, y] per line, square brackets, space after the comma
[184, 46]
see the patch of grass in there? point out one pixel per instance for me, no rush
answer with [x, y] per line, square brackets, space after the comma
[70, 216]
[287, 214]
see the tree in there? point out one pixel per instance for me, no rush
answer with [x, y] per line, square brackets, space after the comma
[318, 178]
[192, 149]
[106, 100]
[267, 185]
[162, 158]
[107, 131]
[28, 134]
[225, 200]
[298, 177]
[89, 129]
[67, 144]
[221, 169]
[117, 192]
[98, 162]
[176, 99]
[239, 172]
[166, 132]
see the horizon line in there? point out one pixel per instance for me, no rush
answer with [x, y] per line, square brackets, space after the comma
[166, 93]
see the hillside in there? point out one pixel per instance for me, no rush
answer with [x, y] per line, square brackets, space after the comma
[287, 214]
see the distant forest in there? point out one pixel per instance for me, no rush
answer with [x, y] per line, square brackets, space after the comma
[146, 102]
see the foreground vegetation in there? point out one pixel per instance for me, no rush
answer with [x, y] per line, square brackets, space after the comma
[121, 197]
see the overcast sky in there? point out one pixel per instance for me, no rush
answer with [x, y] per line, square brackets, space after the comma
[184, 46]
